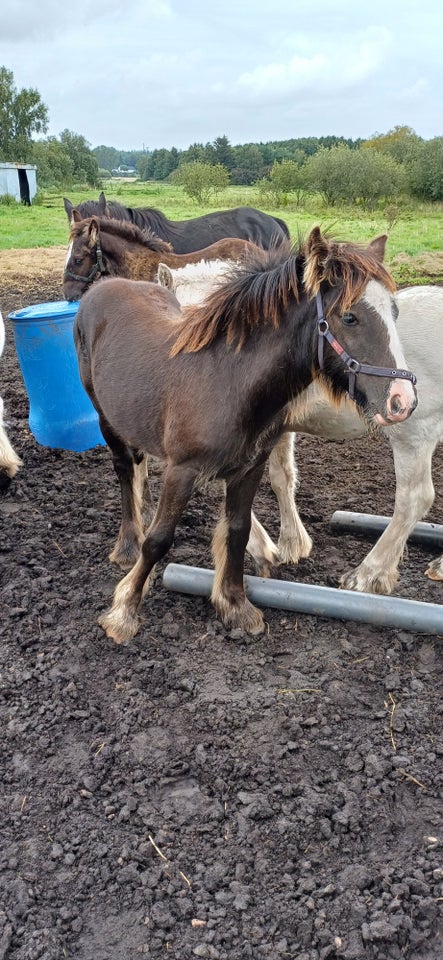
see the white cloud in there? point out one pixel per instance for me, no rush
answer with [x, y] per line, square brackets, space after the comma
[331, 65]
[172, 73]
[24, 20]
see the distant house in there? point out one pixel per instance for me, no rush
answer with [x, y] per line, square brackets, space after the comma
[124, 172]
[19, 180]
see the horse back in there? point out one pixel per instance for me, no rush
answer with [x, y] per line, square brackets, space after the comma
[122, 315]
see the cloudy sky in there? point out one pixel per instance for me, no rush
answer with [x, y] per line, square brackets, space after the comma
[143, 74]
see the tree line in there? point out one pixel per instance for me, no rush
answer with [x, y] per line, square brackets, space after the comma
[381, 168]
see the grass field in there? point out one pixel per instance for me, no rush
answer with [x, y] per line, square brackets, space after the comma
[416, 230]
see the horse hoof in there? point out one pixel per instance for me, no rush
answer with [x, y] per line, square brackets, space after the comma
[435, 571]
[290, 552]
[119, 627]
[244, 617]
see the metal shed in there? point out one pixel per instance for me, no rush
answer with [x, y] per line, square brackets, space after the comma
[19, 180]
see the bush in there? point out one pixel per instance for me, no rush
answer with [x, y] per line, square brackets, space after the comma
[201, 181]
[7, 200]
[363, 176]
[285, 178]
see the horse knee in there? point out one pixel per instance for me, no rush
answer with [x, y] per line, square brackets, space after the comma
[156, 544]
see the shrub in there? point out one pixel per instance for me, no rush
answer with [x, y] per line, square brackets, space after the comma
[7, 200]
[201, 181]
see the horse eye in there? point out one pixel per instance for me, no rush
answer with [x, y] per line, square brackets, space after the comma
[78, 261]
[349, 320]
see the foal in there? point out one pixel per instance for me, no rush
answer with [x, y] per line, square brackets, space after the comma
[208, 393]
[100, 247]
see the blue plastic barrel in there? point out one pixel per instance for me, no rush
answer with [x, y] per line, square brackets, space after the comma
[60, 411]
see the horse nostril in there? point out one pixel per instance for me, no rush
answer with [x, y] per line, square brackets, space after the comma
[396, 405]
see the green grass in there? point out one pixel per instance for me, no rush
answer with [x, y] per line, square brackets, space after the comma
[418, 229]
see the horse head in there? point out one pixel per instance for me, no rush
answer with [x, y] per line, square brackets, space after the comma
[356, 317]
[85, 261]
[87, 208]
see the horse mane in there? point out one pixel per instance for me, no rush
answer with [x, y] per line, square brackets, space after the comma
[345, 267]
[146, 218]
[123, 230]
[265, 283]
[103, 207]
[256, 289]
[153, 219]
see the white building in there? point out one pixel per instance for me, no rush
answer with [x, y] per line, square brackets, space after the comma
[19, 180]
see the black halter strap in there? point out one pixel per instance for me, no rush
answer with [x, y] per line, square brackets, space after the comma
[353, 366]
[98, 268]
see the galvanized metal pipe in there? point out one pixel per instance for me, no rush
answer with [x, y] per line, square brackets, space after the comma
[411, 615]
[344, 521]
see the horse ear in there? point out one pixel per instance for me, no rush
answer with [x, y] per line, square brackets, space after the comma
[316, 253]
[102, 205]
[75, 216]
[68, 208]
[378, 247]
[94, 228]
[316, 243]
[164, 276]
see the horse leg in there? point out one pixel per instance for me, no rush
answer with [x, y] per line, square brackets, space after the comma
[262, 549]
[121, 622]
[294, 540]
[9, 461]
[229, 546]
[131, 480]
[141, 484]
[414, 495]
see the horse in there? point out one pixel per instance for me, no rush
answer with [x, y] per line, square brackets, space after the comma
[413, 445]
[247, 223]
[101, 247]
[413, 442]
[193, 282]
[207, 390]
[9, 461]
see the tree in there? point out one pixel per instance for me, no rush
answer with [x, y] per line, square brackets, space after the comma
[426, 171]
[202, 180]
[55, 167]
[85, 165]
[345, 175]
[22, 113]
[248, 164]
[401, 143]
[222, 152]
[107, 157]
[284, 178]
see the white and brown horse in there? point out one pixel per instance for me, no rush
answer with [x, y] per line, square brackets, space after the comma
[419, 324]
[208, 393]
[9, 461]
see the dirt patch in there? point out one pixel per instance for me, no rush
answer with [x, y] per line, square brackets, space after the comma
[196, 794]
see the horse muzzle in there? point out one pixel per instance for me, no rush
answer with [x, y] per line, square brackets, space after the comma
[401, 402]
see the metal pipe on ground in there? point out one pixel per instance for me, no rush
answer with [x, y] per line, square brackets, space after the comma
[344, 521]
[411, 615]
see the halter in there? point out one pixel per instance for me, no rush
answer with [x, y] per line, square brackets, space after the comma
[98, 268]
[353, 366]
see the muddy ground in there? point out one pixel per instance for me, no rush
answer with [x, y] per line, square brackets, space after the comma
[196, 794]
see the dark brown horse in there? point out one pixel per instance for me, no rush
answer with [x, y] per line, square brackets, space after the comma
[188, 235]
[207, 390]
[100, 247]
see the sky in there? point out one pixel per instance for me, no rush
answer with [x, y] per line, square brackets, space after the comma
[146, 74]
